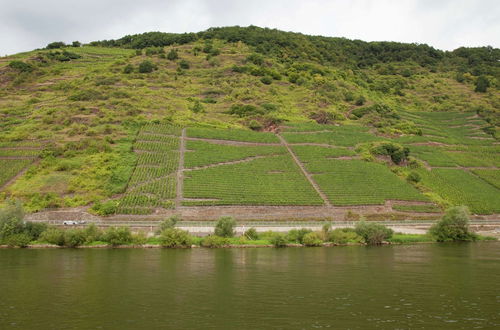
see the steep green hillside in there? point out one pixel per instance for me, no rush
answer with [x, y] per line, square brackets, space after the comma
[101, 125]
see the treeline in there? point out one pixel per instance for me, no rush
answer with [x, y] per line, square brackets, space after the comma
[290, 46]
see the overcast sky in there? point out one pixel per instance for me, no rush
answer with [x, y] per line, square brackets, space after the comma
[444, 24]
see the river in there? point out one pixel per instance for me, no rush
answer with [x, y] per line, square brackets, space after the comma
[431, 286]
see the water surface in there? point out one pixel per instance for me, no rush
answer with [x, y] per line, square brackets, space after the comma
[432, 286]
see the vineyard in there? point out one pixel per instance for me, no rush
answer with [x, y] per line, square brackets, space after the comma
[16, 156]
[10, 167]
[231, 135]
[153, 182]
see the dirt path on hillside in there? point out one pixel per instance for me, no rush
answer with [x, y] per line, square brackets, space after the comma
[244, 160]
[180, 170]
[235, 143]
[303, 169]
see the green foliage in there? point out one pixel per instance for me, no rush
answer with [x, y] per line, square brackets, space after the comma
[414, 177]
[147, 66]
[173, 237]
[129, 68]
[373, 233]
[213, 241]
[225, 227]
[297, 235]
[251, 234]
[53, 236]
[312, 239]
[397, 152]
[278, 240]
[454, 226]
[21, 66]
[183, 64]
[74, 237]
[21, 240]
[11, 220]
[482, 84]
[266, 80]
[118, 236]
[106, 208]
[231, 134]
[55, 45]
[76, 44]
[172, 55]
[343, 236]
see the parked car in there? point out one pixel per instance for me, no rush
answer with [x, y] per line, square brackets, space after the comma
[70, 223]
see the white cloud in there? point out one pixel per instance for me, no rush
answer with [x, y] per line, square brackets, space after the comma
[444, 24]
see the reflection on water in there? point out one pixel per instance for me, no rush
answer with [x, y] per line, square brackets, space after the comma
[448, 286]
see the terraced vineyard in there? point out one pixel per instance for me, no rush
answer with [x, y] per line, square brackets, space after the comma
[16, 156]
[153, 182]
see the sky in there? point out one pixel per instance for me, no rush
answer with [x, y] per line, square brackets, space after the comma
[443, 24]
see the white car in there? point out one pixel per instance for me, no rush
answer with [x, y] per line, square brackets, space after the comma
[70, 223]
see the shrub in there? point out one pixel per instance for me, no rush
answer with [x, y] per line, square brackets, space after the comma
[183, 64]
[173, 237]
[118, 236]
[129, 68]
[53, 236]
[21, 240]
[373, 233]
[297, 235]
[21, 66]
[34, 229]
[76, 44]
[312, 239]
[74, 238]
[146, 67]
[344, 236]
[56, 44]
[197, 107]
[255, 125]
[454, 226]
[360, 100]
[214, 241]
[92, 233]
[251, 234]
[278, 240]
[106, 208]
[225, 227]
[244, 110]
[169, 223]
[413, 177]
[266, 80]
[172, 55]
[11, 218]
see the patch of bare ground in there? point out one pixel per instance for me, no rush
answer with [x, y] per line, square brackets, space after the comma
[431, 143]
[343, 157]
[468, 167]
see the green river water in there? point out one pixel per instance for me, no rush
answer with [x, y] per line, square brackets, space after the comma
[428, 286]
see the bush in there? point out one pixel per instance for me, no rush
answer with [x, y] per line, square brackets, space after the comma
[129, 68]
[173, 237]
[373, 233]
[146, 67]
[11, 218]
[214, 241]
[266, 80]
[21, 240]
[172, 55]
[183, 64]
[56, 44]
[344, 236]
[278, 240]
[53, 236]
[92, 233]
[21, 66]
[106, 208]
[312, 239]
[482, 84]
[169, 223]
[255, 125]
[251, 234]
[413, 177]
[118, 236]
[74, 238]
[76, 44]
[34, 229]
[297, 235]
[225, 227]
[454, 226]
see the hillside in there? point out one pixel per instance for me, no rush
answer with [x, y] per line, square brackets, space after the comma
[250, 117]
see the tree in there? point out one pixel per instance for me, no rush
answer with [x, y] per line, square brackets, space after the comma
[454, 226]
[482, 84]
[225, 227]
[373, 233]
[174, 237]
[76, 44]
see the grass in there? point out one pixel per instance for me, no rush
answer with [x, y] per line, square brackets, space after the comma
[274, 180]
[410, 238]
